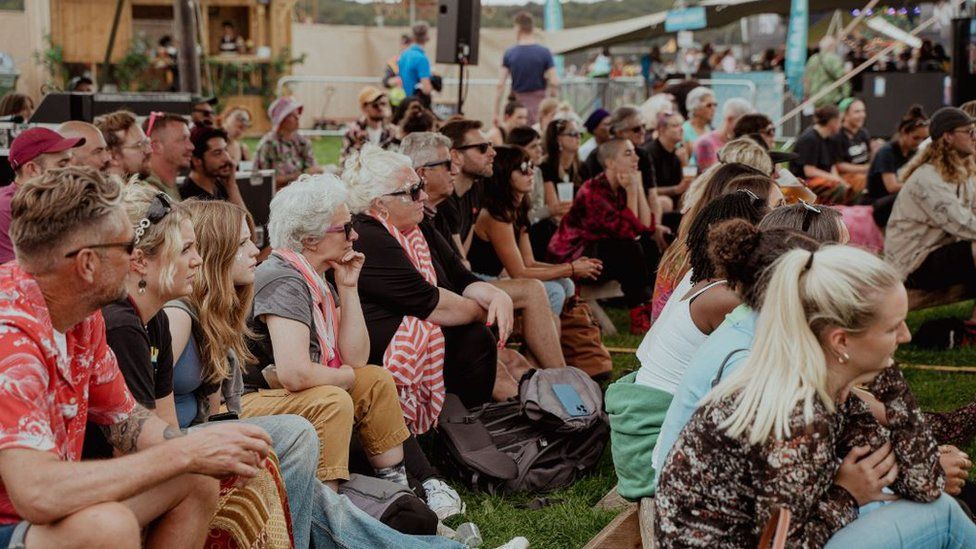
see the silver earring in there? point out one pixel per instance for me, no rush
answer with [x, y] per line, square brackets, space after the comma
[844, 358]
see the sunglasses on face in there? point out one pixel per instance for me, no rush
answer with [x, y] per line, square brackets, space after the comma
[768, 131]
[412, 192]
[482, 147]
[205, 112]
[158, 210]
[128, 246]
[527, 167]
[344, 228]
[571, 134]
[445, 163]
[636, 129]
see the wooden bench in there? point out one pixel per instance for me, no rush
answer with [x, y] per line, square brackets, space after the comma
[632, 528]
[592, 294]
[923, 299]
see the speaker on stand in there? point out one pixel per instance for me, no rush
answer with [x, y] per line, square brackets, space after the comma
[458, 31]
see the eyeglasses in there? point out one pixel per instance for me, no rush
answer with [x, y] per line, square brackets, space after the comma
[635, 129]
[141, 144]
[809, 212]
[446, 163]
[344, 228]
[158, 209]
[968, 131]
[482, 147]
[412, 192]
[152, 121]
[710, 104]
[527, 167]
[768, 131]
[571, 134]
[129, 247]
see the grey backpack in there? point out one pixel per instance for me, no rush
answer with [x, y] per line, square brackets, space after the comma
[553, 433]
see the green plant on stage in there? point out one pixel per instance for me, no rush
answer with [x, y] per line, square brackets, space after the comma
[52, 59]
[130, 72]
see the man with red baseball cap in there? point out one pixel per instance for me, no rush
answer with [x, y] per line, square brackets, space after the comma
[32, 153]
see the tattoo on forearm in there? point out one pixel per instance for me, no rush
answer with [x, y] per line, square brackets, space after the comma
[124, 436]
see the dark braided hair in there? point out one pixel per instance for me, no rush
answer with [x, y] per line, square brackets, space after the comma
[742, 204]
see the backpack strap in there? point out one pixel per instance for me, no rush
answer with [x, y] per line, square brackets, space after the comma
[721, 370]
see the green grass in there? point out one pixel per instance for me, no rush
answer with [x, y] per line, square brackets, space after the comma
[570, 519]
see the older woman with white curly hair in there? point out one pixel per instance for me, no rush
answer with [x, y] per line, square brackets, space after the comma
[311, 352]
[701, 106]
[428, 317]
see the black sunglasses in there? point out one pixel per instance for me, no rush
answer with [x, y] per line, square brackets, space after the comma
[527, 167]
[808, 214]
[344, 228]
[438, 163]
[129, 247]
[482, 147]
[571, 134]
[158, 209]
[413, 192]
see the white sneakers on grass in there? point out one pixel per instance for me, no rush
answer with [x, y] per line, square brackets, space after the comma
[442, 499]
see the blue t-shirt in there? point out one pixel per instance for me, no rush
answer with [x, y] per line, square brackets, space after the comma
[735, 332]
[528, 64]
[414, 67]
[187, 374]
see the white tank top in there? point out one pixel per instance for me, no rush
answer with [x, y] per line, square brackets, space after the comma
[673, 339]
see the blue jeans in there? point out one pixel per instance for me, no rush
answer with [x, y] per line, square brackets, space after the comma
[903, 523]
[558, 290]
[320, 517]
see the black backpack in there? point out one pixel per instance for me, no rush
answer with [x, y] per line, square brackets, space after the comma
[547, 438]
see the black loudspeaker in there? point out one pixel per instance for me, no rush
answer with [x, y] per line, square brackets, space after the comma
[963, 60]
[458, 29]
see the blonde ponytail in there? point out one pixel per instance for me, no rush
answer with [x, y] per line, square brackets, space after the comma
[807, 292]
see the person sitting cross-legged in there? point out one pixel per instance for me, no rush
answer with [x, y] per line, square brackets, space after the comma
[74, 243]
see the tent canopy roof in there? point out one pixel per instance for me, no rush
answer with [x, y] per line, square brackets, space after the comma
[718, 14]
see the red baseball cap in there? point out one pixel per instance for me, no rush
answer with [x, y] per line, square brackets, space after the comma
[34, 142]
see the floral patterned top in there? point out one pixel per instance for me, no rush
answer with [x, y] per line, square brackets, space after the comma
[357, 134]
[598, 213]
[47, 397]
[285, 156]
[719, 491]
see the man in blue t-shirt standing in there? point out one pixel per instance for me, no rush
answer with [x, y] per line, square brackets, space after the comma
[415, 67]
[531, 68]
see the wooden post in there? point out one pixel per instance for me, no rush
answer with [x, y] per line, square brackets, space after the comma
[189, 61]
[106, 64]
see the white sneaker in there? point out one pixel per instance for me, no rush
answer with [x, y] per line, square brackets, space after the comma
[442, 499]
[516, 543]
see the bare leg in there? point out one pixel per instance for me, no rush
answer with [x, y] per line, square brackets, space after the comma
[179, 510]
[541, 335]
[103, 525]
[389, 458]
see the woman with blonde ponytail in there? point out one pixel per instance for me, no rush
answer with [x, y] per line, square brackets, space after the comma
[772, 434]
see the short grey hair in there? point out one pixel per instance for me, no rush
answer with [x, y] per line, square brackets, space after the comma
[696, 97]
[304, 209]
[373, 173]
[736, 108]
[422, 147]
[621, 115]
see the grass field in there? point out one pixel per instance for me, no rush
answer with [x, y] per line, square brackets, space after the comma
[570, 519]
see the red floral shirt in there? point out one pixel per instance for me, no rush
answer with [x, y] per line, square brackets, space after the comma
[46, 398]
[598, 213]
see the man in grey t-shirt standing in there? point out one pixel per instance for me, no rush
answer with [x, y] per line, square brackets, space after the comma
[531, 67]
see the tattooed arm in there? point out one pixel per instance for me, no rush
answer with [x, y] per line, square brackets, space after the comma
[141, 430]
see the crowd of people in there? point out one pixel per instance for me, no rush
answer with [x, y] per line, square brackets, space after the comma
[168, 380]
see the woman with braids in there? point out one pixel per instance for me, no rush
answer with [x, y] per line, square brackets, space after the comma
[777, 433]
[883, 181]
[637, 402]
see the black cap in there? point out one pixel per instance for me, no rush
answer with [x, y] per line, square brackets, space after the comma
[947, 119]
[197, 99]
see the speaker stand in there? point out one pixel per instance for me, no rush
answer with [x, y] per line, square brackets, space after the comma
[460, 101]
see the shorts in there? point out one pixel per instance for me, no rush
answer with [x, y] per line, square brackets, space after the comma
[946, 266]
[12, 536]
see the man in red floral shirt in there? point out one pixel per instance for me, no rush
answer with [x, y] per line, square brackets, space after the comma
[73, 244]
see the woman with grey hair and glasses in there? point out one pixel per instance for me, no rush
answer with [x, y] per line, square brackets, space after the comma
[429, 318]
[701, 107]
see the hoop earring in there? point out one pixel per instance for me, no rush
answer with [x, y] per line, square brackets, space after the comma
[142, 286]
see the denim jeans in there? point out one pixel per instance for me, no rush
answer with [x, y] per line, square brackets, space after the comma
[903, 523]
[320, 517]
[558, 290]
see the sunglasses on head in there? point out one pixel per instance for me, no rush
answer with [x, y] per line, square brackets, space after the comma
[344, 228]
[412, 192]
[482, 147]
[809, 212]
[153, 116]
[159, 208]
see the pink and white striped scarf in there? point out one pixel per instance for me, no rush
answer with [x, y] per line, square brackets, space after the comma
[415, 355]
[324, 313]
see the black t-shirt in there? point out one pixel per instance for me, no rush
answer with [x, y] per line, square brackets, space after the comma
[593, 168]
[460, 212]
[814, 150]
[854, 149]
[888, 159]
[391, 288]
[667, 165]
[145, 356]
[189, 189]
[550, 173]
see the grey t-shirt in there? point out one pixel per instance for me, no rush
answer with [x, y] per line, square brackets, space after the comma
[279, 290]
